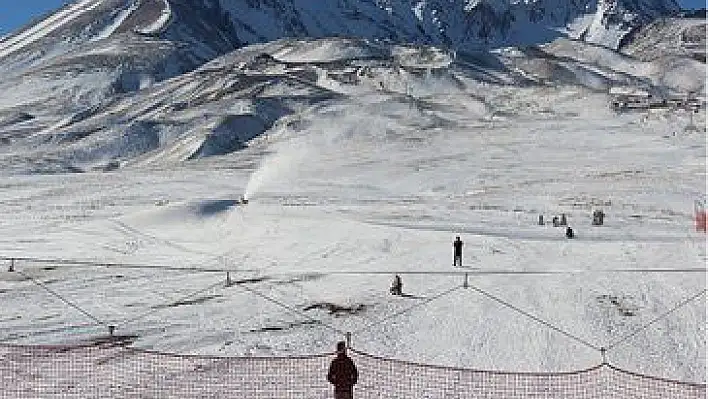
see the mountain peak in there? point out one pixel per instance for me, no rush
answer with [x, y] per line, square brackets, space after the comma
[221, 25]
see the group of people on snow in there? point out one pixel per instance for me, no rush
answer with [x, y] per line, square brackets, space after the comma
[397, 284]
[343, 373]
[563, 221]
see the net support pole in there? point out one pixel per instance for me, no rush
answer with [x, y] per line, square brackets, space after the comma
[466, 284]
[348, 339]
[603, 352]
[12, 265]
[229, 283]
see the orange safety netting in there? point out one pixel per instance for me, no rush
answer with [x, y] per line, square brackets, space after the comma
[108, 370]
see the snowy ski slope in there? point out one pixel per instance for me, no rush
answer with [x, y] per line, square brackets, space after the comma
[377, 185]
[361, 159]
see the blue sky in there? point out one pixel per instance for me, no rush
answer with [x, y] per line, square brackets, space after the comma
[15, 13]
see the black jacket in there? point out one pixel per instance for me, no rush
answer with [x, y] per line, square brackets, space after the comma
[458, 247]
[342, 373]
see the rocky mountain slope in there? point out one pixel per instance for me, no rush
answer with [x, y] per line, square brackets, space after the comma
[108, 83]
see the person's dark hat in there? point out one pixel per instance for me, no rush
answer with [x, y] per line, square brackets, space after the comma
[341, 346]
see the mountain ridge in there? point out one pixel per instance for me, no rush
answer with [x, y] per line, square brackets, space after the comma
[122, 82]
[459, 24]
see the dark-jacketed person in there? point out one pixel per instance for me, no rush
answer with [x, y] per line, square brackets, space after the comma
[397, 285]
[457, 258]
[342, 373]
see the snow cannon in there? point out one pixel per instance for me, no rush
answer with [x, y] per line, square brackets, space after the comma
[242, 201]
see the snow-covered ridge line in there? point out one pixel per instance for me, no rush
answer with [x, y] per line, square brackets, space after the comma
[117, 22]
[160, 23]
[48, 25]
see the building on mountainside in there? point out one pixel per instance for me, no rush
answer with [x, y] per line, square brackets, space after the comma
[346, 75]
[688, 101]
[626, 98]
[629, 91]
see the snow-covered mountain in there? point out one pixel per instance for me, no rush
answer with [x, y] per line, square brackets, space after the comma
[181, 34]
[107, 82]
[129, 44]
[365, 134]
[214, 25]
[221, 106]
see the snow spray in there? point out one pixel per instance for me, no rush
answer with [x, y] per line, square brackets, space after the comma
[279, 165]
[336, 130]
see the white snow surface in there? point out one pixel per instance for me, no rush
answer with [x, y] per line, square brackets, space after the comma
[599, 33]
[381, 183]
[327, 50]
[676, 73]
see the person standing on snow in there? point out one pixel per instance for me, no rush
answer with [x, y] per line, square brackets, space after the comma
[569, 232]
[342, 373]
[457, 257]
[397, 286]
